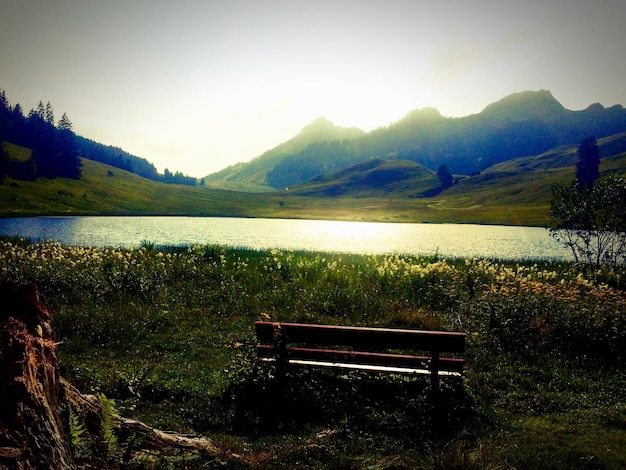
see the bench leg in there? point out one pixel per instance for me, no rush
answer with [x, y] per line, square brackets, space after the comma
[435, 410]
[434, 374]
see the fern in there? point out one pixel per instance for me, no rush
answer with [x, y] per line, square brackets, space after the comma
[109, 419]
[78, 435]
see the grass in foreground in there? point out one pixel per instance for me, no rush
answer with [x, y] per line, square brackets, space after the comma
[167, 332]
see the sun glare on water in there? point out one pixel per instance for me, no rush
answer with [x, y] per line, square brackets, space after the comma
[347, 236]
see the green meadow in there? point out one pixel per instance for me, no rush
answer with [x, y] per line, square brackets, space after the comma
[106, 190]
[167, 333]
[516, 192]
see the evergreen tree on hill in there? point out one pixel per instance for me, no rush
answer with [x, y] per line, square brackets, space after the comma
[41, 136]
[5, 116]
[66, 150]
[445, 178]
[588, 165]
[49, 117]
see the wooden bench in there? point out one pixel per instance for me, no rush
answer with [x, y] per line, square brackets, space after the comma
[383, 350]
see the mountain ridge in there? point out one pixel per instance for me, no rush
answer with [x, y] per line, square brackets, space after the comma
[320, 130]
[520, 124]
[525, 105]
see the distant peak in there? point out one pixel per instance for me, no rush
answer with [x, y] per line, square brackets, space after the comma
[321, 124]
[596, 108]
[321, 121]
[424, 113]
[323, 129]
[526, 104]
[528, 95]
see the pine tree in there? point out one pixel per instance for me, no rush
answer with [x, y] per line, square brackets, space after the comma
[5, 117]
[588, 166]
[66, 150]
[41, 110]
[41, 137]
[4, 102]
[445, 178]
[49, 118]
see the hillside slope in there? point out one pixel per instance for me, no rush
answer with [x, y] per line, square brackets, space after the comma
[252, 175]
[377, 177]
[401, 178]
[104, 189]
[528, 180]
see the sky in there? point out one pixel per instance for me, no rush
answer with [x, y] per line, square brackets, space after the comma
[196, 86]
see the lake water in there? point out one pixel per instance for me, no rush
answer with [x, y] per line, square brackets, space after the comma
[450, 240]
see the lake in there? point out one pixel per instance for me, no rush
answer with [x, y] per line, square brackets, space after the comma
[449, 240]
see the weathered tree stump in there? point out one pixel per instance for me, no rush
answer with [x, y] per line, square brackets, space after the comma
[32, 433]
[35, 401]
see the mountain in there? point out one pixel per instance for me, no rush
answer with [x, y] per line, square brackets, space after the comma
[254, 172]
[524, 106]
[521, 124]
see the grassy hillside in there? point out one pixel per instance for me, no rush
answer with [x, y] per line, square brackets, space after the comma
[529, 179]
[107, 190]
[513, 193]
[16, 152]
[374, 178]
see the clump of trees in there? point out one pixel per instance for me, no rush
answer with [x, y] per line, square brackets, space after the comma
[177, 178]
[588, 215]
[54, 147]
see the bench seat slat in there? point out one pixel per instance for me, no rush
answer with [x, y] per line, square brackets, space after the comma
[365, 367]
[366, 359]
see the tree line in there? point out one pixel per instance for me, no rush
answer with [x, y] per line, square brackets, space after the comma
[57, 150]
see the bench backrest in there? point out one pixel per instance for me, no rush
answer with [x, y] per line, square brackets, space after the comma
[362, 338]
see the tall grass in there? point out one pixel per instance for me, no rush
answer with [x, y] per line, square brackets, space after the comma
[168, 333]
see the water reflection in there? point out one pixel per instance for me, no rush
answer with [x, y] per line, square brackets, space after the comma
[468, 241]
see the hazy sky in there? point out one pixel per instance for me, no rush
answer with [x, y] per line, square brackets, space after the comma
[195, 86]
